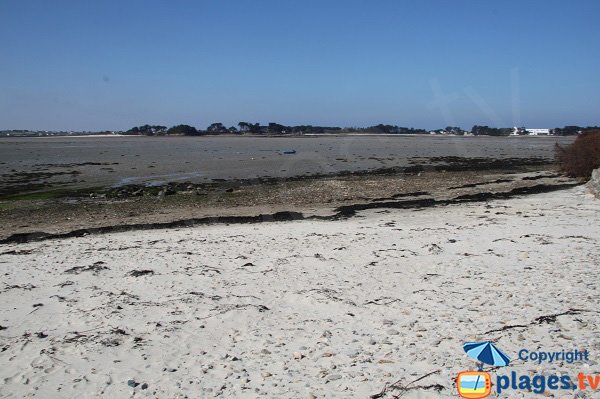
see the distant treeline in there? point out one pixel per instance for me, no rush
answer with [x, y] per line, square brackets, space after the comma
[270, 129]
[279, 129]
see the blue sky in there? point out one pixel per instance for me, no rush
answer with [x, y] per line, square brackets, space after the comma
[90, 65]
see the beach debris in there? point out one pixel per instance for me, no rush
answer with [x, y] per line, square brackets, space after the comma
[386, 300]
[139, 273]
[27, 287]
[95, 268]
[41, 334]
[266, 374]
[434, 249]
[298, 355]
[397, 386]
[18, 252]
[549, 319]
[3, 327]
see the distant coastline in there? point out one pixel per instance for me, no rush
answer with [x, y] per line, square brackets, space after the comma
[278, 130]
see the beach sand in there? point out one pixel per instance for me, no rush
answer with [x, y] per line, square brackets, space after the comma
[304, 309]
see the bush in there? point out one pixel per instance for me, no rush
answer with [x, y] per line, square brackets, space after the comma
[580, 158]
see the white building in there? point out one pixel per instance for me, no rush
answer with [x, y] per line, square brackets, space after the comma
[538, 132]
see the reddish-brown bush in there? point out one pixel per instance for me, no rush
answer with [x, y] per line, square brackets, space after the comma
[580, 158]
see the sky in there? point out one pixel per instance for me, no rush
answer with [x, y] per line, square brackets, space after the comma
[114, 64]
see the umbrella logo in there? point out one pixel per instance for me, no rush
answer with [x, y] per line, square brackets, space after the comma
[486, 352]
[478, 384]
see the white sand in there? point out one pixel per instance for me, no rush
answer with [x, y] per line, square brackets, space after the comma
[386, 296]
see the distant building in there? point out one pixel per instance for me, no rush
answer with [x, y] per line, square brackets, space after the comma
[538, 132]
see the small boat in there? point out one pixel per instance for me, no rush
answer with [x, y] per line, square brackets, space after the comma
[288, 151]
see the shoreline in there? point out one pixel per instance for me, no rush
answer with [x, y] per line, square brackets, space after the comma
[328, 197]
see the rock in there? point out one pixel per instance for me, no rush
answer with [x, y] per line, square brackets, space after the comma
[298, 355]
[594, 183]
[41, 335]
[393, 332]
[266, 374]
[144, 386]
[334, 377]
[132, 383]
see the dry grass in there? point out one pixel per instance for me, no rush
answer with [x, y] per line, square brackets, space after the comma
[582, 157]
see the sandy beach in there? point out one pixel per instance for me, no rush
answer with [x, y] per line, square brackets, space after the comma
[304, 309]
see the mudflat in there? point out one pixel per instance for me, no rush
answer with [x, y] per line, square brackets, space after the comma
[69, 163]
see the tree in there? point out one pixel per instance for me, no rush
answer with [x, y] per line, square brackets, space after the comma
[276, 128]
[216, 128]
[148, 130]
[246, 127]
[185, 130]
[490, 131]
